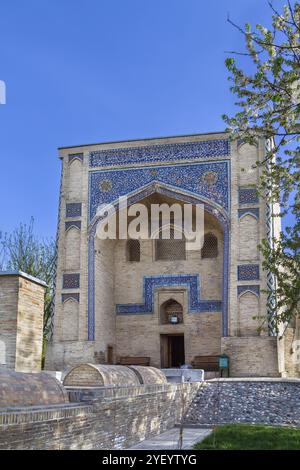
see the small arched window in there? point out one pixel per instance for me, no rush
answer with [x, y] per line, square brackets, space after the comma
[210, 246]
[133, 250]
[171, 312]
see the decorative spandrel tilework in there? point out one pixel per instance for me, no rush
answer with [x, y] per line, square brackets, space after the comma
[75, 156]
[190, 281]
[254, 289]
[73, 296]
[248, 196]
[250, 210]
[73, 209]
[73, 223]
[160, 153]
[71, 281]
[248, 272]
[208, 179]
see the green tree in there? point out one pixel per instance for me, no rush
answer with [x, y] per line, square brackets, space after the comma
[23, 251]
[268, 101]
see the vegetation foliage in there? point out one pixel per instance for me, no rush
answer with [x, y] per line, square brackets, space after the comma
[251, 437]
[268, 100]
[22, 250]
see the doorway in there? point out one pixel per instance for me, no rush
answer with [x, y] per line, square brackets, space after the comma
[172, 351]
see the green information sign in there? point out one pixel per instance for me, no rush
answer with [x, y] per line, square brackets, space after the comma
[223, 362]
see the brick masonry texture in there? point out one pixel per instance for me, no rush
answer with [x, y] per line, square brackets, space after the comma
[113, 418]
[119, 417]
[220, 402]
[18, 389]
[251, 356]
[21, 323]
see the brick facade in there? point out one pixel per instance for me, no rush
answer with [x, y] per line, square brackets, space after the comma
[21, 321]
[201, 168]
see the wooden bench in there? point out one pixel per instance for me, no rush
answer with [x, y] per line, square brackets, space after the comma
[207, 363]
[134, 361]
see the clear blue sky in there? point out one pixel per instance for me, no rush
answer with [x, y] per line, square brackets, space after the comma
[89, 71]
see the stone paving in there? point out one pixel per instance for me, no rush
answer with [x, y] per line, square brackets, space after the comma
[170, 439]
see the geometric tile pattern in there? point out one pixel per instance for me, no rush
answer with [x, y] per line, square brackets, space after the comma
[250, 210]
[71, 281]
[150, 283]
[73, 209]
[75, 156]
[160, 153]
[255, 289]
[73, 295]
[206, 179]
[248, 196]
[73, 223]
[248, 272]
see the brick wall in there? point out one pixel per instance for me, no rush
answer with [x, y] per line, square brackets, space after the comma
[112, 418]
[252, 356]
[21, 322]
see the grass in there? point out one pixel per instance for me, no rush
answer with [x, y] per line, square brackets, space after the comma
[251, 437]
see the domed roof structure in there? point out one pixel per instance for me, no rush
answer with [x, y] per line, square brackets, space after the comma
[100, 375]
[24, 389]
[149, 375]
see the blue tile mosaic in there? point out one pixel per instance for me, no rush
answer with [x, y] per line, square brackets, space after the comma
[160, 153]
[207, 179]
[250, 210]
[150, 283]
[254, 289]
[73, 209]
[73, 295]
[248, 196]
[248, 272]
[71, 281]
[75, 156]
[73, 223]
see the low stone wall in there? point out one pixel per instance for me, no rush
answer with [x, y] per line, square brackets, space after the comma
[106, 418]
[267, 401]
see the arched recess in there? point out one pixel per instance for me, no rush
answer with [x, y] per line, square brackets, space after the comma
[171, 312]
[248, 308]
[248, 237]
[75, 178]
[70, 319]
[175, 193]
[72, 249]
[247, 158]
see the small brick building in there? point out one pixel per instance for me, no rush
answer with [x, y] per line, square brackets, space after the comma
[21, 321]
[117, 298]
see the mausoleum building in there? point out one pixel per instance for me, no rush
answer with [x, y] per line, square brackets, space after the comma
[153, 298]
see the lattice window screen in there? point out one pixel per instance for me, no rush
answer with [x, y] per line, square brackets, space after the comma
[210, 246]
[133, 250]
[172, 249]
